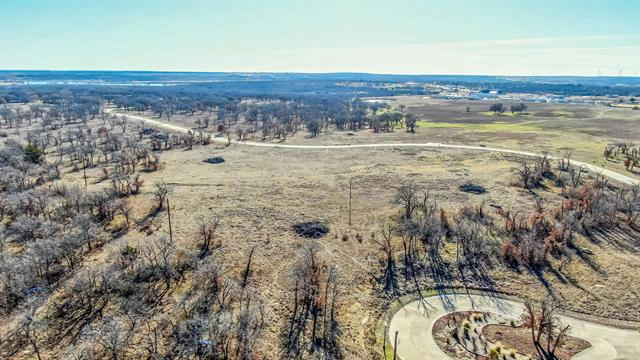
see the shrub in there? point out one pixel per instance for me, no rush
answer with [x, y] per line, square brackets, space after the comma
[32, 153]
[118, 224]
[510, 253]
[562, 180]
[495, 351]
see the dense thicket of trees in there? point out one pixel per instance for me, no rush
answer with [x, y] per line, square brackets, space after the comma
[269, 116]
[48, 227]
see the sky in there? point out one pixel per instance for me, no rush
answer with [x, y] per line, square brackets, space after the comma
[482, 37]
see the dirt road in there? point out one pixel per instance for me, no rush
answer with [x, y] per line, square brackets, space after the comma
[171, 127]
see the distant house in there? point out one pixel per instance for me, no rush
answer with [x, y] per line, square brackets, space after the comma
[482, 96]
[491, 91]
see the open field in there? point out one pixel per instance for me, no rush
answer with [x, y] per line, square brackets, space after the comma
[585, 130]
[260, 193]
[185, 129]
[257, 192]
[319, 180]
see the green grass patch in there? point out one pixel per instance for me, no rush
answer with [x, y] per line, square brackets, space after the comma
[491, 127]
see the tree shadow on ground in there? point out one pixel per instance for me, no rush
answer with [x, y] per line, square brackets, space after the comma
[567, 278]
[478, 275]
[586, 256]
[622, 238]
[538, 272]
[440, 271]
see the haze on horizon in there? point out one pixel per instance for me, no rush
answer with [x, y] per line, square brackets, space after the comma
[406, 37]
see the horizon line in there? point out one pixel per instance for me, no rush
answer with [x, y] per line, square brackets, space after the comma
[317, 73]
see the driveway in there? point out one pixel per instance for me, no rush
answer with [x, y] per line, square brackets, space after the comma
[415, 320]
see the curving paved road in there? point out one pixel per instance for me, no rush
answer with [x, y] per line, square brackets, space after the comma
[171, 127]
[414, 323]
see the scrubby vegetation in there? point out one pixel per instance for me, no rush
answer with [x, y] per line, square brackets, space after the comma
[628, 154]
[87, 271]
[52, 229]
[486, 237]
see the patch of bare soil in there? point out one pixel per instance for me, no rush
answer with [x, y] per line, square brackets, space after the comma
[520, 338]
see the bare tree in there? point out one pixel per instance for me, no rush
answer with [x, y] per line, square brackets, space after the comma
[547, 332]
[407, 196]
[518, 108]
[411, 121]
[525, 174]
[3, 239]
[123, 206]
[386, 246]
[576, 174]
[315, 301]
[114, 337]
[3, 206]
[497, 108]
[472, 242]
[250, 325]
[31, 328]
[87, 231]
[206, 233]
[564, 163]
[630, 203]
[123, 123]
[162, 190]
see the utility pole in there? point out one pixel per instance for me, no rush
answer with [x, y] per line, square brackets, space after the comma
[395, 346]
[384, 341]
[169, 214]
[350, 180]
[84, 170]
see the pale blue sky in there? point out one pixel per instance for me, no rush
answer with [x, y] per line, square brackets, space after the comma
[425, 37]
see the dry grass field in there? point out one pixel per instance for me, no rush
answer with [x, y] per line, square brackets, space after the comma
[319, 180]
[585, 130]
[259, 194]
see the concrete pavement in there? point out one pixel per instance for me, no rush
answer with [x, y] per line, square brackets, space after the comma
[415, 320]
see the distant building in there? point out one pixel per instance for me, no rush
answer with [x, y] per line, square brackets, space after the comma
[482, 96]
[557, 99]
